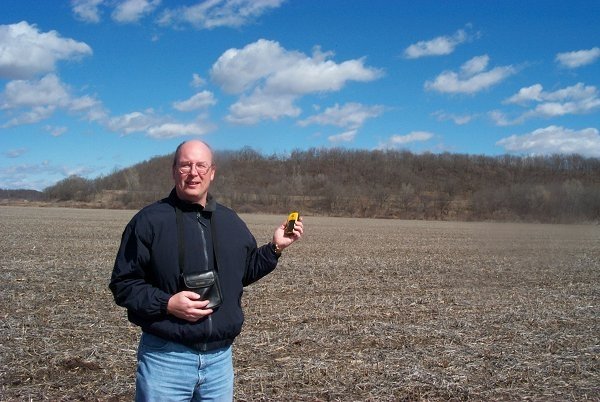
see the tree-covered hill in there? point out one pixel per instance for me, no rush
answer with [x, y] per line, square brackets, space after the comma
[359, 183]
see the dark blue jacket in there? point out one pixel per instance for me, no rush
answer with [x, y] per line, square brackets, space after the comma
[146, 272]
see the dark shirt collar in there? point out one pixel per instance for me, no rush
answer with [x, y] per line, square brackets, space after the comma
[211, 204]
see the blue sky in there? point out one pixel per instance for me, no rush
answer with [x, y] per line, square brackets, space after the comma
[91, 86]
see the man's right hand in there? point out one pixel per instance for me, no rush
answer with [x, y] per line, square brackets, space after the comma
[188, 306]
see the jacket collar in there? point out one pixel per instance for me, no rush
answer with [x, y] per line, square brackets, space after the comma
[211, 204]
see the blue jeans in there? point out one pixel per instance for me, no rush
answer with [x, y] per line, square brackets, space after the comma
[170, 371]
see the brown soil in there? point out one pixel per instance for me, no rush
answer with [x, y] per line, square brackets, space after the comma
[360, 309]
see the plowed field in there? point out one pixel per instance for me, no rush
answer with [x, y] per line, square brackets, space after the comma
[360, 309]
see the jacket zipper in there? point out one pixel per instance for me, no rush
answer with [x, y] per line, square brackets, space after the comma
[209, 322]
[204, 250]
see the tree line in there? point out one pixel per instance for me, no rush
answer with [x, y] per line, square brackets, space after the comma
[362, 183]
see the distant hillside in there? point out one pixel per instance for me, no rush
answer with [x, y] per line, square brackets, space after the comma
[387, 184]
[20, 196]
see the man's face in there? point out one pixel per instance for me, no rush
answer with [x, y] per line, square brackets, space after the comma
[191, 184]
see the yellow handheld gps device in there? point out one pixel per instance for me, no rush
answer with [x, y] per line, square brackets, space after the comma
[291, 221]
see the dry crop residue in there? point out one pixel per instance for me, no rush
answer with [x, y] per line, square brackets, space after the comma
[360, 309]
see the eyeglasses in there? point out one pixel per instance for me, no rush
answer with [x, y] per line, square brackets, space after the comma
[201, 167]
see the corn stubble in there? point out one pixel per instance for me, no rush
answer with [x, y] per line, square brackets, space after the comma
[360, 309]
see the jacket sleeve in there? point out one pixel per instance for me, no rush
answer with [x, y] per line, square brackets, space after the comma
[129, 281]
[260, 262]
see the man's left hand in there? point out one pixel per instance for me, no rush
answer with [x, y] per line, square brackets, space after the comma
[283, 240]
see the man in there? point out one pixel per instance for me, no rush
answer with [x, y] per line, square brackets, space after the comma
[185, 347]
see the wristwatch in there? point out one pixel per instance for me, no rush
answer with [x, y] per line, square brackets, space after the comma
[276, 249]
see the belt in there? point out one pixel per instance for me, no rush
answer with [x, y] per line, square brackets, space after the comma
[208, 346]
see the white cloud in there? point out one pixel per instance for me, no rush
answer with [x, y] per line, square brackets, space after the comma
[347, 136]
[47, 91]
[40, 175]
[555, 109]
[237, 70]
[201, 100]
[206, 14]
[134, 122]
[155, 126]
[412, 137]
[278, 70]
[554, 140]
[125, 11]
[457, 119]
[15, 153]
[350, 115]
[31, 116]
[536, 93]
[311, 75]
[260, 106]
[134, 10]
[87, 10]
[578, 58]
[56, 131]
[283, 71]
[34, 101]
[575, 99]
[269, 76]
[472, 77]
[578, 91]
[210, 14]
[174, 130]
[501, 119]
[87, 104]
[442, 45]
[532, 93]
[475, 66]
[396, 141]
[197, 81]
[27, 52]
[20, 177]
